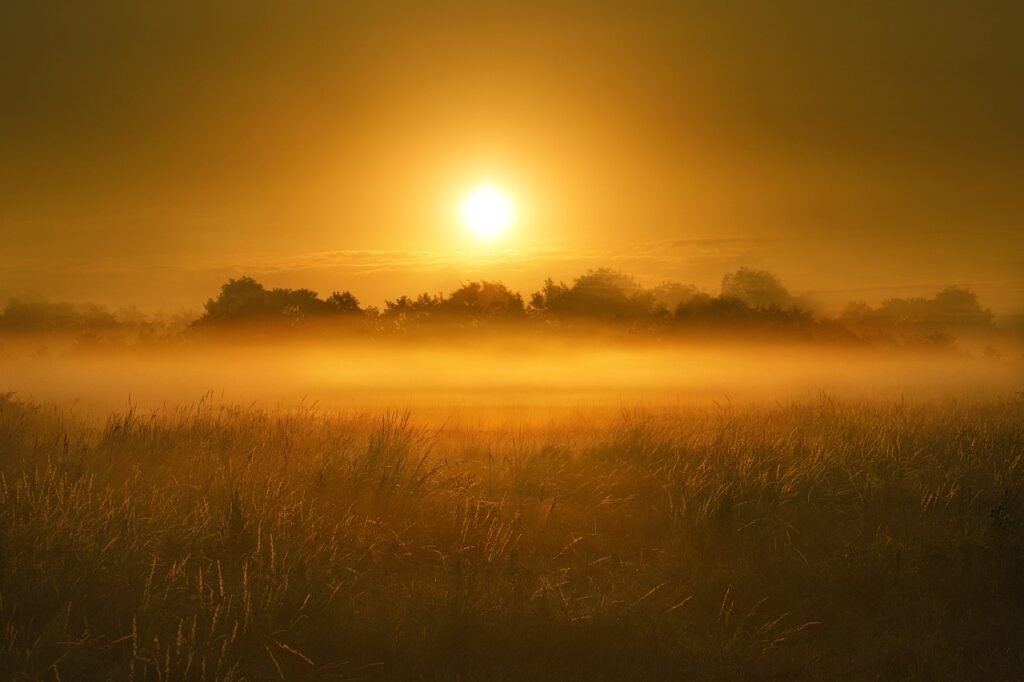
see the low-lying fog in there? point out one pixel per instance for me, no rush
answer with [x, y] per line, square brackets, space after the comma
[509, 375]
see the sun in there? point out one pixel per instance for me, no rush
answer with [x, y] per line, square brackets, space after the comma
[487, 212]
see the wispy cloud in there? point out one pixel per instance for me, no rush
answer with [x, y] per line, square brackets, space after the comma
[660, 255]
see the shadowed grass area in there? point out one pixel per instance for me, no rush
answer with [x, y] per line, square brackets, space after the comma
[814, 540]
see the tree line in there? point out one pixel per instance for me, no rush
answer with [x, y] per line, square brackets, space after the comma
[603, 295]
[748, 299]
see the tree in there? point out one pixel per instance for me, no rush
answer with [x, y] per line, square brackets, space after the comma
[238, 299]
[550, 297]
[295, 304]
[344, 303]
[484, 299]
[405, 308]
[954, 309]
[757, 288]
[245, 299]
[599, 293]
[959, 307]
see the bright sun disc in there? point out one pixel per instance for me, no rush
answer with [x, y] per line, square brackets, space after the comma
[487, 211]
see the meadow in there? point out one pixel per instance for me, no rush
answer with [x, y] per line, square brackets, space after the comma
[804, 538]
[563, 341]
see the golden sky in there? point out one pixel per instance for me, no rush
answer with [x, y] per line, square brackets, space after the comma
[859, 150]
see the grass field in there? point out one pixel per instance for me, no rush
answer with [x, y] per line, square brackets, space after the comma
[816, 539]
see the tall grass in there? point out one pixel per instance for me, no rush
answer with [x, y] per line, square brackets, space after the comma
[815, 540]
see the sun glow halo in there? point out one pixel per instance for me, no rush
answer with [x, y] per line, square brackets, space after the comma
[487, 212]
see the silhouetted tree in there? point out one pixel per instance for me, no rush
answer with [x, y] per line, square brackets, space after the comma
[295, 304]
[757, 288]
[600, 293]
[405, 309]
[954, 309]
[245, 299]
[550, 298]
[958, 307]
[484, 300]
[238, 299]
[344, 303]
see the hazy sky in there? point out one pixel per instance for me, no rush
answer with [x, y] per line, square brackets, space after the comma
[858, 149]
